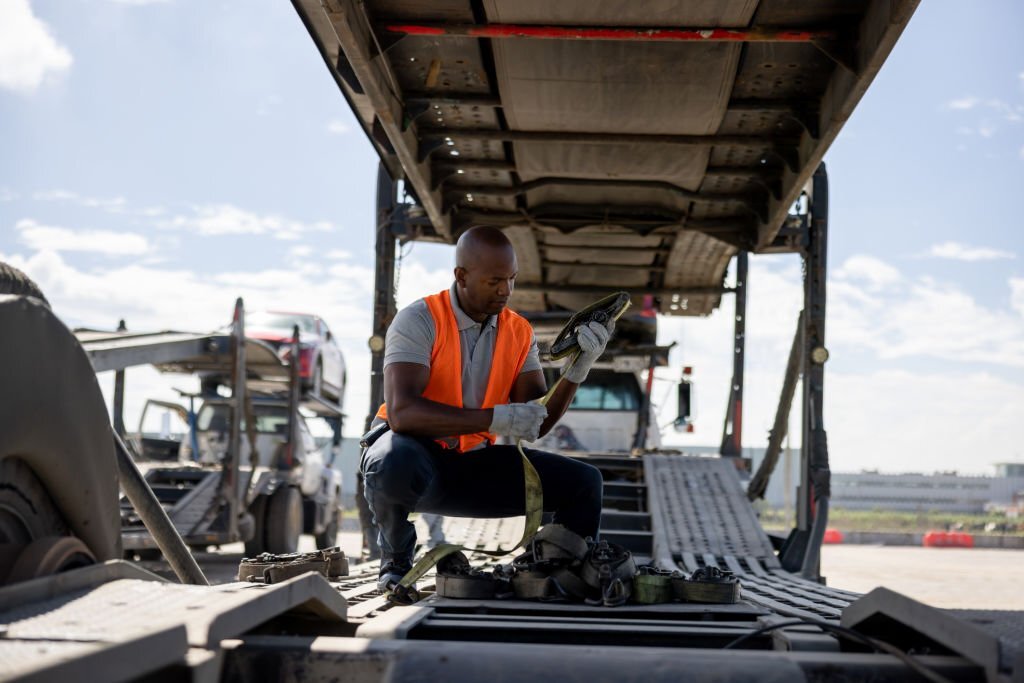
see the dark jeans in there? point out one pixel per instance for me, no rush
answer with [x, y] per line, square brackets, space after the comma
[406, 474]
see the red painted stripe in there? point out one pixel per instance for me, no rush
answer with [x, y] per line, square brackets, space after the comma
[713, 35]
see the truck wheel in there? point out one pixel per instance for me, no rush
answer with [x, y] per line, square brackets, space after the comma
[27, 513]
[257, 544]
[328, 538]
[58, 471]
[26, 509]
[284, 520]
[50, 555]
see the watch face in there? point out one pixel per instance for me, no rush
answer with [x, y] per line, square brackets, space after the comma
[376, 343]
[819, 354]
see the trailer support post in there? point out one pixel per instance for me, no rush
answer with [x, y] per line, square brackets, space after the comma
[118, 411]
[229, 478]
[384, 307]
[294, 440]
[802, 549]
[732, 429]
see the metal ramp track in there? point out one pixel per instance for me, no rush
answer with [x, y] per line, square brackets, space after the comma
[701, 516]
[119, 350]
[178, 352]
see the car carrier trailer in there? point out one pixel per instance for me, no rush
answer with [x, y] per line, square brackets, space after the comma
[635, 146]
[216, 499]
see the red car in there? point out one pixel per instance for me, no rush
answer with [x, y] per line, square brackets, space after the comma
[321, 363]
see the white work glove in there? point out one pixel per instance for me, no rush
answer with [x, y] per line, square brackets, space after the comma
[518, 420]
[592, 338]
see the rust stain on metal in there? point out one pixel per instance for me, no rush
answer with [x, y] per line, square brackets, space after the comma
[433, 72]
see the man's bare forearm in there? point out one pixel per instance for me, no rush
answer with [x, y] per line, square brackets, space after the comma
[423, 417]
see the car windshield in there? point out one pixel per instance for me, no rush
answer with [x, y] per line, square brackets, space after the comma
[281, 321]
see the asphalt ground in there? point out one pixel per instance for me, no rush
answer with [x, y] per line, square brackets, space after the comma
[960, 578]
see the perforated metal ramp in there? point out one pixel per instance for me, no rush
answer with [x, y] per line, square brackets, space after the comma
[701, 516]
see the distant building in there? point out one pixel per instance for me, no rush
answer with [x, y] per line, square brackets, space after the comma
[1010, 469]
[938, 492]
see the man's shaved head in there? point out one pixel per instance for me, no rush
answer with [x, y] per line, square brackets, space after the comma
[485, 271]
[476, 242]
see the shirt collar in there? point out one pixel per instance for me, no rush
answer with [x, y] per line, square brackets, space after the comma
[463, 321]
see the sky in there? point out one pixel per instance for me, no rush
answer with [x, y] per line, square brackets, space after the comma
[161, 158]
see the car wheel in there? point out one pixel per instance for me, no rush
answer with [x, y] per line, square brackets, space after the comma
[284, 520]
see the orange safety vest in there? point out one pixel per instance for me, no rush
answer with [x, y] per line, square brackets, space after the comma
[511, 348]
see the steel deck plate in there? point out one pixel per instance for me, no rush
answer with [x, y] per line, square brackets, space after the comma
[127, 627]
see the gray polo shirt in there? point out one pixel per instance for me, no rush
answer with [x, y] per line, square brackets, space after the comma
[411, 337]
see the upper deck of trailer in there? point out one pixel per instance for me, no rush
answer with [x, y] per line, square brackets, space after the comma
[620, 145]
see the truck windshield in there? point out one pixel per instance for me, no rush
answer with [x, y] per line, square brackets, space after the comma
[269, 419]
[607, 391]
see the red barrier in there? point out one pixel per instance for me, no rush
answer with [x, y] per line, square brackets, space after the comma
[947, 539]
[832, 536]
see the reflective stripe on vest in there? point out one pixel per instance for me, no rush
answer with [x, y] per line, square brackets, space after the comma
[511, 347]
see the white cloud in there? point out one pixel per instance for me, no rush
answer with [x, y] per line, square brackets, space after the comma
[29, 53]
[338, 127]
[7, 194]
[225, 219]
[1021, 153]
[416, 280]
[869, 270]
[888, 416]
[155, 297]
[1017, 294]
[109, 204]
[138, 3]
[931, 421]
[57, 239]
[962, 252]
[968, 102]
[339, 254]
[953, 416]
